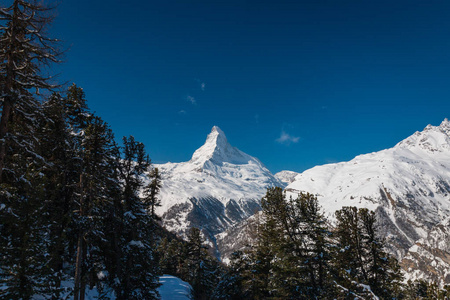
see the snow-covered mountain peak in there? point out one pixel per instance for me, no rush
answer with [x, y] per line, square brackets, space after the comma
[445, 125]
[219, 187]
[433, 139]
[217, 151]
[216, 170]
[286, 176]
[408, 186]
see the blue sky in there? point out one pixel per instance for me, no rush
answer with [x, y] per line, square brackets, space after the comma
[294, 83]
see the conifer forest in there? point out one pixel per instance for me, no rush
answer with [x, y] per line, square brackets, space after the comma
[76, 212]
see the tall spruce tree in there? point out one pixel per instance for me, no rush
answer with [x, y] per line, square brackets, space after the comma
[25, 53]
[360, 259]
[135, 274]
[56, 146]
[94, 202]
[151, 193]
[296, 235]
[201, 267]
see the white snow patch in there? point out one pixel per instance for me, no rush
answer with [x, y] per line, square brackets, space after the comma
[173, 288]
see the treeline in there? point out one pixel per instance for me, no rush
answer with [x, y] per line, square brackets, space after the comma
[297, 254]
[71, 206]
[71, 212]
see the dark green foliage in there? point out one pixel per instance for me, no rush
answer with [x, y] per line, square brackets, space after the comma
[202, 269]
[25, 52]
[135, 273]
[151, 192]
[293, 251]
[421, 289]
[22, 228]
[297, 256]
[236, 282]
[170, 253]
[360, 258]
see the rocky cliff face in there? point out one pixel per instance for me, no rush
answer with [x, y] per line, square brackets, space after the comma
[429, 257]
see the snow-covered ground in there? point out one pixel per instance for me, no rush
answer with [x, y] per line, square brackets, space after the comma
[173, 288]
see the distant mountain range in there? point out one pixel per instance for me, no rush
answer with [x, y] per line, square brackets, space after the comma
[408, 186]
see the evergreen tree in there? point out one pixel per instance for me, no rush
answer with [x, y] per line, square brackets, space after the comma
[25, 52]
[199, 265]
[22, 232]
[151, 193]
[296, 246]
[170, 258]
[56, 146]
[94, 201]
[360, 260]
[233, 285]
[135, 274]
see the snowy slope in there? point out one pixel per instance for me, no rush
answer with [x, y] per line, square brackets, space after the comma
[286, 176]
[219, 187]
[173, 288]
[408, 186]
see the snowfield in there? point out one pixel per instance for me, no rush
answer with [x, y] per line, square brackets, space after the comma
[172, 288]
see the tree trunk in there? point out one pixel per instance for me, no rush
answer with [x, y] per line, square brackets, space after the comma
[78, 266]
[6, 114]
[79, 289]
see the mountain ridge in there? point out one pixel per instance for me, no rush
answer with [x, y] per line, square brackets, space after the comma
[408, 186]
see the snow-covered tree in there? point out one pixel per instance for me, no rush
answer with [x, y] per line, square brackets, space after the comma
[26, 52]
[361, 264]
[202, 269]
[93, 201]
[135, 271]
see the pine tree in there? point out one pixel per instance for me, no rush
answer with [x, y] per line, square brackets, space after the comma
[25, 53]
[135, 275]
[56, 146]
[294, 241]
[236, 282]
[360, 260]
[22, 234]
[94, 201]
[200, 265]
[151, 193]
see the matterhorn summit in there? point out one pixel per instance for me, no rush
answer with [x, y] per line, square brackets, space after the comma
[218, 151]
[219, 187]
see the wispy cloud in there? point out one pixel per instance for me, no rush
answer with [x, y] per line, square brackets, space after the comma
[201, 83]
[182, 112]
[256, 118]
[191, 99]
[287, 139]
